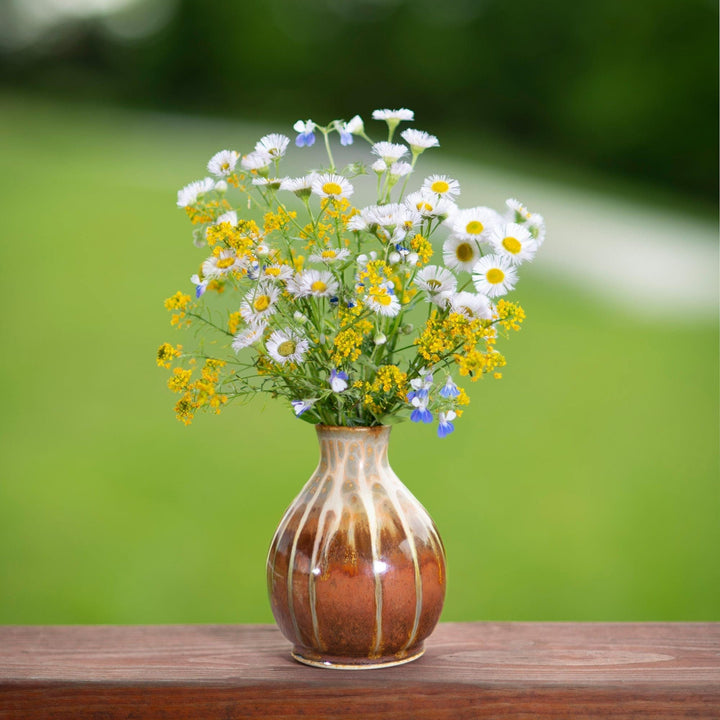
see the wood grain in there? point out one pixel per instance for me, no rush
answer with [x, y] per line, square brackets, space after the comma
[470, 670]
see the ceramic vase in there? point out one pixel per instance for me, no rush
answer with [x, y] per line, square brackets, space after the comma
[356, 569]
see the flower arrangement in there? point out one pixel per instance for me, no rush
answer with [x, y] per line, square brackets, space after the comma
[344, 311]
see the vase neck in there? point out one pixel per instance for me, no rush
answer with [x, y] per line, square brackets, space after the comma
[360, 452]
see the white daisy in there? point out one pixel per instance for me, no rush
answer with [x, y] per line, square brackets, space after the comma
[332, 186]
[218, 265]
[475, 223]
[259, 303]
[274, 145]
[430, 204]
[517, 211]
[287, 346]
[396, 115]
[536, 226]
[355, 126]
[400, 169]
[256, 161]
[357, 222]
[514, 242]
[228, 217]
[330, 255]
[471, 305]
[272, 183]
[190, 193]
[301, 186]
[434, 279]
[419, 140]
[276, 272]
[389, 152]
[247, 337]
[442, 185]
[223, 163]
[494, 275]
[318, 283]
[460, 253]
[381, 301]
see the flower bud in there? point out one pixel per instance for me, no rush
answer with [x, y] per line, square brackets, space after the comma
[221, 186]
[412, 258]
[380, 339]
[302, 319]
[394, 258]
[407, 329]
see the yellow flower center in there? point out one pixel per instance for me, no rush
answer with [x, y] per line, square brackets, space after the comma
[495, 276]
[474, 227]
[382, 299]
[225, 166]
[440, 187]
[226, 262]
[433, 284]
[424, 206]
[512, 245]
[274, 271]
[318, 286]
[328, 254]
[464, 252]
[262, 302]
[287, 348]
[332, 188]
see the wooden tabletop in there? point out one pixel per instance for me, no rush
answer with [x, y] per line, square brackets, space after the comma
[470, 670]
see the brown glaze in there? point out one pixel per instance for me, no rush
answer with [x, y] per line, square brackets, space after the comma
[356, 570]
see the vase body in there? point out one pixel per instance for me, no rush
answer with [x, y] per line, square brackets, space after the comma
[356, 570]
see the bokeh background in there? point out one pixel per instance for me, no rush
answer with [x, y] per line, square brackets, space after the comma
[583, 486]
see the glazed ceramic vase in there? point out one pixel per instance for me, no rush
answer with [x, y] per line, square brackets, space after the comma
[356, 570]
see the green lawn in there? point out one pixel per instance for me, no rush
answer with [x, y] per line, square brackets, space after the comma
[583, 486]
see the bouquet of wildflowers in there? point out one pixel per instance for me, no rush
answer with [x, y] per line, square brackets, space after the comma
[352, 314]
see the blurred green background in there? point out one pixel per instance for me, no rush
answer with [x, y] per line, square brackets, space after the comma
[583, 486]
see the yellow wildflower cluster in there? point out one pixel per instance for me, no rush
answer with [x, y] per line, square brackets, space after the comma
[475, 363]
[388, 386]
[318, 234]
[339, 210]
[235, 320]
[167, 353]
[241, 237]
[279, 220]
[421, 245]
[177, 304]
[442, 337]
[198, 394]
[509, 314]
[352, 332]
[208, 212]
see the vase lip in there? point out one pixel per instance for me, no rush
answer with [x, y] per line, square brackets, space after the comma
[360, 429]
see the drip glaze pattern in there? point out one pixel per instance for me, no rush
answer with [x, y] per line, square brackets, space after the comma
[356, 570]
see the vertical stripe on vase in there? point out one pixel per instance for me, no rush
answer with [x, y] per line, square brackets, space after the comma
[308, 507]
[409, 535]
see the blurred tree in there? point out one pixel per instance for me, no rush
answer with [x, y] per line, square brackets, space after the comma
[625, 87]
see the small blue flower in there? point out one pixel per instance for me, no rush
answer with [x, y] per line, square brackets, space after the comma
[445, 426]
[301, 406]
[306, 136]
[200, 285]
[421, 414]
[346, 137]
[334, 300]
[338, 381]
[449, 389]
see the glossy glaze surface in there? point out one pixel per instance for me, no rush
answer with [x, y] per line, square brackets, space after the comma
[356, 570]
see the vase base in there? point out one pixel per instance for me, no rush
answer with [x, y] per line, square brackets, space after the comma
[347, 663]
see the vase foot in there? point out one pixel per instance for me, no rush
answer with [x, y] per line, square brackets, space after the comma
[333, 662]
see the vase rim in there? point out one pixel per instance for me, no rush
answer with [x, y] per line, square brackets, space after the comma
[375, 429]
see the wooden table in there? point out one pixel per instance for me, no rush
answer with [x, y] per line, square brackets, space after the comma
[470, 670]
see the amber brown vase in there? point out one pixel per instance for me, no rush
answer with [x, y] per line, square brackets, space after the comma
[356, 570]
